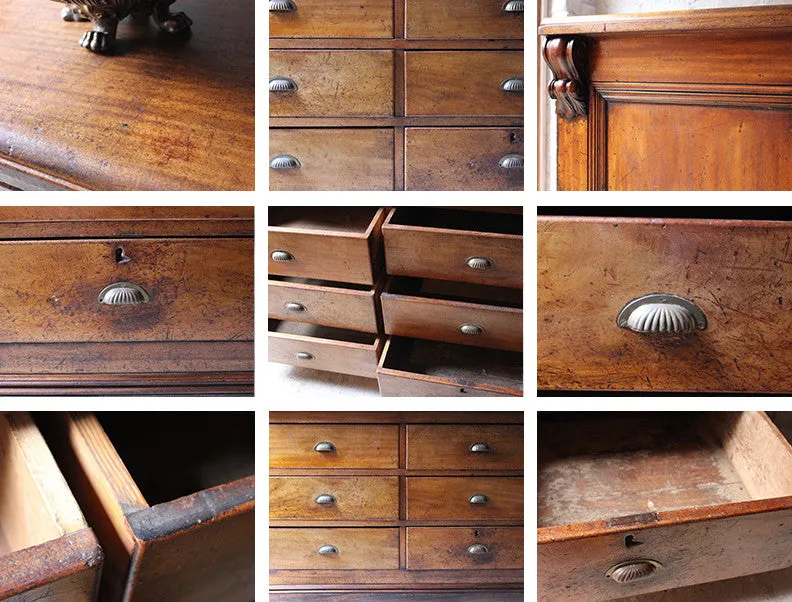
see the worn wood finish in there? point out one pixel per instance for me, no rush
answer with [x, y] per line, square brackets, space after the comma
[431, 548]
[449, 497]
[334, 158]
[461, 19]
[159, 115]
[320, 19]
[439, 446]
[359, 498]
[735, 271]
[357, 549]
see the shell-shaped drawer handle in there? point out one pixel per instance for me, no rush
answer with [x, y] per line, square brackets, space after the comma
[325, 499]
[661, 313]
[281, 256]
[123, 293]
[479, 263]
[471, 329]
[513, 84]
[480, 448]
[285, 162]
[477, 549]
[324, 447]
[633, 570]
[294, 306]
[327, 550]
[282, 6]
[512, 6]
[303, 355]
[282, 84]
[479, 499]
[513, 161]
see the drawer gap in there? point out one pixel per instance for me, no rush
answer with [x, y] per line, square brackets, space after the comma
[447, 290]
[314, 282]
[322, 332]
[454, 219]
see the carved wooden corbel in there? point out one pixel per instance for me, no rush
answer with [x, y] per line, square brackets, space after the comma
[566, 57]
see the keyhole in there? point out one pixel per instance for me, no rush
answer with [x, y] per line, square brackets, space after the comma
[631, 542]
[476, 533]
[121, 257]
[463, 391]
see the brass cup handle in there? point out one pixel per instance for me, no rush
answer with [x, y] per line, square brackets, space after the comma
[282, 84]
[324, 447]
[283, 6]
[633, 570]
[294, 306]
[478, 549]
[471, 329]
[281, 256]
[479, 263]
[512, 6]
[512, 161]
[480, 448]
[123, 293]
[660, 313]
[513, 84]
[328, 550]
[325, 499]
[479, 499]
[304, 355]
[285, 162]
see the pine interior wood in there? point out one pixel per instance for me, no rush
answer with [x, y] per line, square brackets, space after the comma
[350, 220]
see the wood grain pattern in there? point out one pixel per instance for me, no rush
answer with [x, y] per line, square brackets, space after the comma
[357, 549]
[461, 19]
[439, 446]
[446, 548]
[364, 498]
[449, 497]
[159, 115]
[320, 19]
[379, 580]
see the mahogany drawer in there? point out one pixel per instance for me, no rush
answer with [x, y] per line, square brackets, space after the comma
[463, 158]
[336, 304]
[464, 548]
[341, 548]
[479, 446]
[171, 496]
[351, 446]
[334, 498]
[331, 159]
[617, 516]
[331, 83]
[465, 498]
[47, 550]
[342, 244]
[322, 19]
[420, 368]
[470, 19]
[459, 82]
[324, 348]
[590, 268]
[468, 314]
[449, 244]
[90, 290]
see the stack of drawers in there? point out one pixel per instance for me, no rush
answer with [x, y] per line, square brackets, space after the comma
[414, 501]
[396, 95]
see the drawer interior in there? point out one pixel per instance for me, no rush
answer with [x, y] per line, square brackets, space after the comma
[322, 332]
[454, 219]
[353, 220]
[327, 283]
[457, 362]
[173, 454]
[600, 466]
[455, 291]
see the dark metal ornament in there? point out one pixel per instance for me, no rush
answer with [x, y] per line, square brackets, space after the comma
[105, 15]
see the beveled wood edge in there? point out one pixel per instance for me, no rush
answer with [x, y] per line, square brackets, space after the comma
[402, 121]
[102, 391]
[765, 18]
[364, 235]
[375, 346]
[663, 221]
[323, 288]
[388, 225]
[386, 294]
[490, 43]
[33, 178]
[448, 417]
[388, 578]
[193, 511]
[48, 562]
[175, 379]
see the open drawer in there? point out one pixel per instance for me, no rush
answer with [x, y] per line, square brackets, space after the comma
[47, 550]
[419, 368]
[170, 496]
[634, 503]
[449, 244]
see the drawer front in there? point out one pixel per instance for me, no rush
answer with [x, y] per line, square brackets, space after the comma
[442, 320]
[334, 498]
[403, 386]
[193, 290]
[446, 446]
[355, 446]
[333, 159]
[465, 548]
[333, 83]
[465, 498]
[590, 268]
[463, 159]
[322, 19]
[448, 82]
[324, 354]
[368, 549]
[463, 19]
[326, 305]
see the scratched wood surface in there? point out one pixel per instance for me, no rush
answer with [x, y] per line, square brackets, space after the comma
[736, 272]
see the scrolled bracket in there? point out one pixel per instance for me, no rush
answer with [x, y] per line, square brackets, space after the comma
[567, 58]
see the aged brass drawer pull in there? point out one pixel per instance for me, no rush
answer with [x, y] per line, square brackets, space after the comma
[513, 84]
[123, 293]
[480, 448]
[477, 549]
[512, 6]
[324, 447]
[294, 306]
[471, 329]
[285, 162]
[479, 499]
[661, 313]
[325, 499]
[513, 161]
[282, 84]
[304, 355]
[281, 256]
[328, 550]
[282, 6]
[633, 570]
[479, 263]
